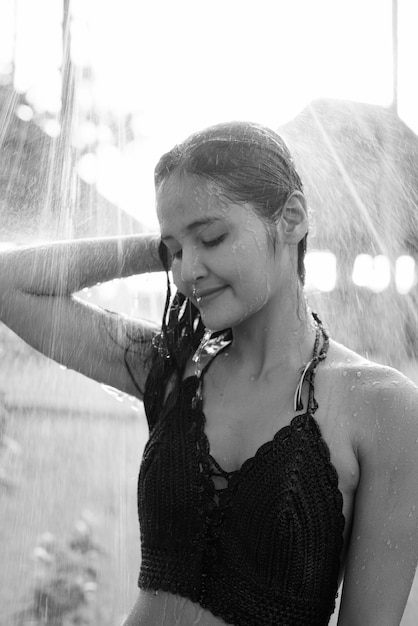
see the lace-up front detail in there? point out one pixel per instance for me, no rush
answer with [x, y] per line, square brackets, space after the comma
[259, 546]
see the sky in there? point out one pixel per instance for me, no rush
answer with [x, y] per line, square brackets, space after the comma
[179, 66]
[193, 62]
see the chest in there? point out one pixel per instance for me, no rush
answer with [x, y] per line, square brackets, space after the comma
[239, 419]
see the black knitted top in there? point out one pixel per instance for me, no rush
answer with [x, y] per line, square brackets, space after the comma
[263, 551]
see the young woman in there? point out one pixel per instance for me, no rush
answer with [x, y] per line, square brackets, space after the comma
[278, 460]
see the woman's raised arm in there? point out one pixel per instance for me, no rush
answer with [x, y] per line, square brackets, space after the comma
[65, 267]
[37, 302]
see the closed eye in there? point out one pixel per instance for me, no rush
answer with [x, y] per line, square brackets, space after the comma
[213, 242]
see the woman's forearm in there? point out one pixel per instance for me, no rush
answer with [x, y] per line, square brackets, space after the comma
[65, 267]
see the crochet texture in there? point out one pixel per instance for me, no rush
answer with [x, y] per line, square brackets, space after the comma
[263, 551]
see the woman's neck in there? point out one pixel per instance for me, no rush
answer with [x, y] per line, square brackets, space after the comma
[278, 337]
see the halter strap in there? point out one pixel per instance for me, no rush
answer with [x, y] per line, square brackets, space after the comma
[212, 347]
[309, 370]
[208, 347]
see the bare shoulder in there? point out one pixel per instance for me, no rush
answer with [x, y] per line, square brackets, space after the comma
[367, 376]
[379, 398]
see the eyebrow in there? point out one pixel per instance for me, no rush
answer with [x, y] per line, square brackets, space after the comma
[193, 226]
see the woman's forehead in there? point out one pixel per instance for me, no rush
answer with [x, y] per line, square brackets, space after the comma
[192, 202]
[189, 196]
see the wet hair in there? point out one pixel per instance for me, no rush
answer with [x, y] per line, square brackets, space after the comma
[248, 163]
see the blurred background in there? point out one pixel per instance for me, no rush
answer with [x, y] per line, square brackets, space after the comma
[92, 92]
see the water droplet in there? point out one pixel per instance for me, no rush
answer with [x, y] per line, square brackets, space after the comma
[358, 374]
[355, 414]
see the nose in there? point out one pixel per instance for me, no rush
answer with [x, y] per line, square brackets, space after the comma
[192, 267]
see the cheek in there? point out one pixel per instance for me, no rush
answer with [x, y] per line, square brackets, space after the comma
[259, 282]
[252, 260]
[254, 245]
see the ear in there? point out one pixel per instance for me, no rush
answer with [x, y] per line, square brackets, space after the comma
[294, 221]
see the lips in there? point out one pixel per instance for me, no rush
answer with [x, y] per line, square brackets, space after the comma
[202, 296]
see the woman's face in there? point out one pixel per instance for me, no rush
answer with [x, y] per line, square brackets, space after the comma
[223, 257]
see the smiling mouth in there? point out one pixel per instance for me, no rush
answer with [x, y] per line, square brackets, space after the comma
[206, 295]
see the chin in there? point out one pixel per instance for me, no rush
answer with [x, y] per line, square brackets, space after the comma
[219, 322]
[213, 326]
[215, 323]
